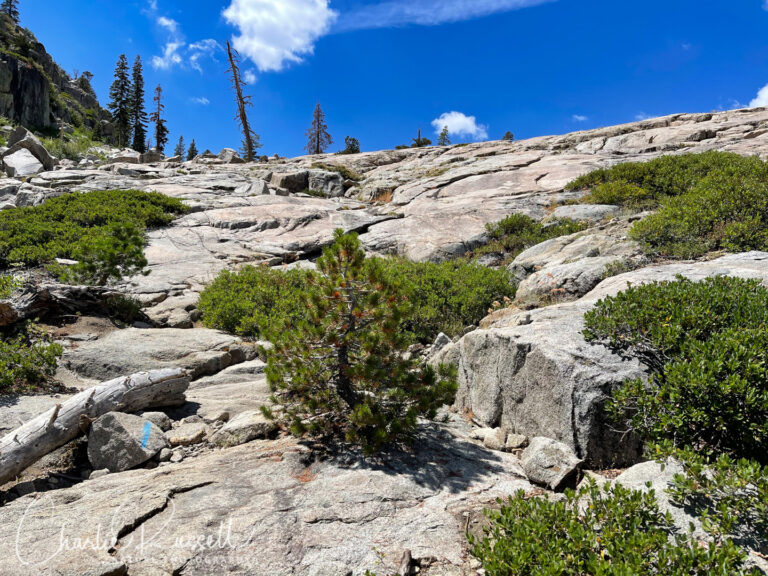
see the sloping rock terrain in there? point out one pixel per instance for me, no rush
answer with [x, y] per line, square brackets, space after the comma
[273, 505]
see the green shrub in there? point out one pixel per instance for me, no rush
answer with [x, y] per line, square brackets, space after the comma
[346, 173]
[104, 229]
[8, 284]
[729, 495]
[608, 532]
[341, 370]
[666, 176]
[707, 343]
[73, 146]
[255, 299]
[446, 297]
[27, 360]
[620, 193]
[519, 232]
[724, 211]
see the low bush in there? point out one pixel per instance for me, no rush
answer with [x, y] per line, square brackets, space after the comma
[707, 343]
[345, 172]
[27, 360]
[729, 495]
[254, 300]
[724, 211]
[71, 146]
[519, 232]
[105, 231]
[448, 296]
[664, 177]
[445, 297]
[611, 531]
[8, 285]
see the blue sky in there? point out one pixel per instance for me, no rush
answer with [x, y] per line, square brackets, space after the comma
[382, 69]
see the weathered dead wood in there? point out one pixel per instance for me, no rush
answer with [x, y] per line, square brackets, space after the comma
[62, 423]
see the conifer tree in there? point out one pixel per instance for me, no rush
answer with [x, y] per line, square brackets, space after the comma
[420, 142]
[342, 371]
[120, 103]
[318, 138]
[444, 139]
[251, 140]
[138, 111]
[192, 152]
[11, 9]
[508, 137]
[84, 81]
[179, 151]
[161, 129]
[351, 146]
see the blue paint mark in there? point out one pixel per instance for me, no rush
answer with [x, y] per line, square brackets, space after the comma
[145, 438]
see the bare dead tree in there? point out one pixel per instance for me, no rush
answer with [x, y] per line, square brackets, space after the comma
[251, 140]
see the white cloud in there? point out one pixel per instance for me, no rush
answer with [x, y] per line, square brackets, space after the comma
[426, 12]
[168, 23]
[203, 49]
[460, 125]
[765, 5]
[203, 101]
[579, 118]
[275, 33]
[250, 76]
[762, 97]
[170, 57]
[641, 116]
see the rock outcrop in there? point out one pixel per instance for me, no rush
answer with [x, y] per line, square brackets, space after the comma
[533, 372]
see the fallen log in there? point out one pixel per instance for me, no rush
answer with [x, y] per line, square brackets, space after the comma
[66, 421]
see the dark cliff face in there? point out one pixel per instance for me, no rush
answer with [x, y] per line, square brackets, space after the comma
[24, 93]
[35, 91]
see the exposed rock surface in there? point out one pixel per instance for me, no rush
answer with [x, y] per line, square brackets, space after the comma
[275, 510]
[243, 428]
[119, 442]
[534, 373]
[200, 352]
[549, 462]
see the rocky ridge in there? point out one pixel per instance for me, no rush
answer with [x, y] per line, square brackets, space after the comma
[525, 373]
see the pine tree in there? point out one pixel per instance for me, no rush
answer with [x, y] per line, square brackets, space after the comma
[508, 137]
[120, 103]
[342, 371]
[318, 138]
[351, 146]
[84, 81]
[179, 151]
[444, 139]
[11, 9]
[420, 142]
[161, 129]
[138, 111]
[251, 140]
[192, 152]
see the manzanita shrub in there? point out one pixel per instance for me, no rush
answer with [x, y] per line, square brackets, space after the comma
[707, 343]
[608, 531]
[104, 231]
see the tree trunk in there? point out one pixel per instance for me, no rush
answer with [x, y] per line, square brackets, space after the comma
[64, 422]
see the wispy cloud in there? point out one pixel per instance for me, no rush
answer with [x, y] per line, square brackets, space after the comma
[761, 99]
[203, 49]
[203, 101]
[640, 116]
[461, 125]
[176, 52]
[765, 5]
[250, 76]
[392, 13]
[276, 33]
[579, 118]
